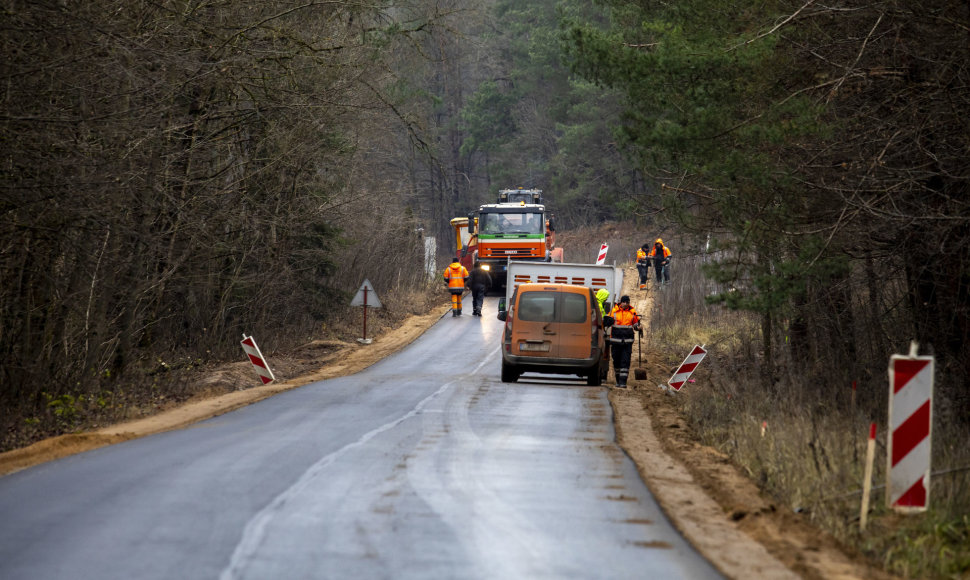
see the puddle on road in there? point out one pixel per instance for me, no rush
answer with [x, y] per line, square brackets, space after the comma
[661, 545]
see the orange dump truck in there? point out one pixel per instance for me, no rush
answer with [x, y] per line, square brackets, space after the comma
[499, 232]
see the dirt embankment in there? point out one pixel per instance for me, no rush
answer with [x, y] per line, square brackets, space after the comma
[715, 507]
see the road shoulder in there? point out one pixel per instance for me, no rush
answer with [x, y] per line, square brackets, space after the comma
[721, 512]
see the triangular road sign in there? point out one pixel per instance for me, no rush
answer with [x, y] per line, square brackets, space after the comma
[366, 296]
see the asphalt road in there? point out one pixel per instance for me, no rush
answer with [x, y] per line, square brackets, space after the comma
[423, 466]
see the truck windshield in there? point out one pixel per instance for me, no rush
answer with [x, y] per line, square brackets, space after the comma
[512, 223]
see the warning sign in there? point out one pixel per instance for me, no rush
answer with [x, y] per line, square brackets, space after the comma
[366, 296]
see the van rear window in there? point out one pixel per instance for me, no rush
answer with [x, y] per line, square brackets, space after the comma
[538, 306]
[553, 307]
[574, 308]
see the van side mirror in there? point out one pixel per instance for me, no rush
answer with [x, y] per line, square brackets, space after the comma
[502, 312]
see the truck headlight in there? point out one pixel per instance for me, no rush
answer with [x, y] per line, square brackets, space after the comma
[486, 267]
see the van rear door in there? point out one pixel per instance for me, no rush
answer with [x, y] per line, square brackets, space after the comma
[536, 329]
[575, 326]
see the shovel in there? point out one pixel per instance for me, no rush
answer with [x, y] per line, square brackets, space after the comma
[640, 373]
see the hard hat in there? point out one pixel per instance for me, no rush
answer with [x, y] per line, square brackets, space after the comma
[624, 298]
[659, 241]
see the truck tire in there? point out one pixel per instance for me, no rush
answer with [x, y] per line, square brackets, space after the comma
[509, 373]
[595, 376]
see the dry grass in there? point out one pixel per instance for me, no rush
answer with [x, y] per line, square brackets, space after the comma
[810, 457]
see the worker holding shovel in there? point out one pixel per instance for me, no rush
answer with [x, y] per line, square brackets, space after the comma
[626, 322]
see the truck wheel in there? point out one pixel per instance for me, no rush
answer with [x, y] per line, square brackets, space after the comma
[509, 373]
[595, 376]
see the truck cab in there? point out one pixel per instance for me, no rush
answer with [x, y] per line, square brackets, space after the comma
[503, 232]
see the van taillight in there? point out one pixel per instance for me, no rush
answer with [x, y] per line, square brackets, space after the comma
[508, 334]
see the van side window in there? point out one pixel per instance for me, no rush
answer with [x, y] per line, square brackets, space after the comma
[538, 306]
[574, 308]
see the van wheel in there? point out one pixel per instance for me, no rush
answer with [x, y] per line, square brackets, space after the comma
[509, 373]
[595, 377]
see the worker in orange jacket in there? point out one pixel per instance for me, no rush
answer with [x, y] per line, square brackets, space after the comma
[660, 254]
[456, 276]
[643, 265]
[626, 322]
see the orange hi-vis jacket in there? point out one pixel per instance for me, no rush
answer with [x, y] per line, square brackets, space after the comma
[641, 256]
[624, 316]
[456, 277]
[653, 251]
[623, 321]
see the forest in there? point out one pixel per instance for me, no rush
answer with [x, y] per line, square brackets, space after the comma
[178, 172]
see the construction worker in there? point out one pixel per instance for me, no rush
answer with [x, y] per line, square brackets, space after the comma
[480, 282]
[660, 254]
[456, 276]
[643, 265]
[601, 295]
[626, 322]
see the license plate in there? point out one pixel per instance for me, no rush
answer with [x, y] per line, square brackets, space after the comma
[534, 346]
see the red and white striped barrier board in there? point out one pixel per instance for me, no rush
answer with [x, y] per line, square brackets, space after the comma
[259, 362]
[910, 418]
[687, 368]
[601, 258]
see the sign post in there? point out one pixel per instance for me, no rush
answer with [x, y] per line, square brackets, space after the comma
[910, 421]
[366, 296]
[867, 481]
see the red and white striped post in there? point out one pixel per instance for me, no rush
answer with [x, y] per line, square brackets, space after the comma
[259, 361]
[686, 368]
[910, 421]
[601, 258]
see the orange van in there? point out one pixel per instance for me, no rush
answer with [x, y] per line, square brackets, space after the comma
[553, 329]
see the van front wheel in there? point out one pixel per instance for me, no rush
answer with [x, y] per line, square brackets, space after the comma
[509, 373]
